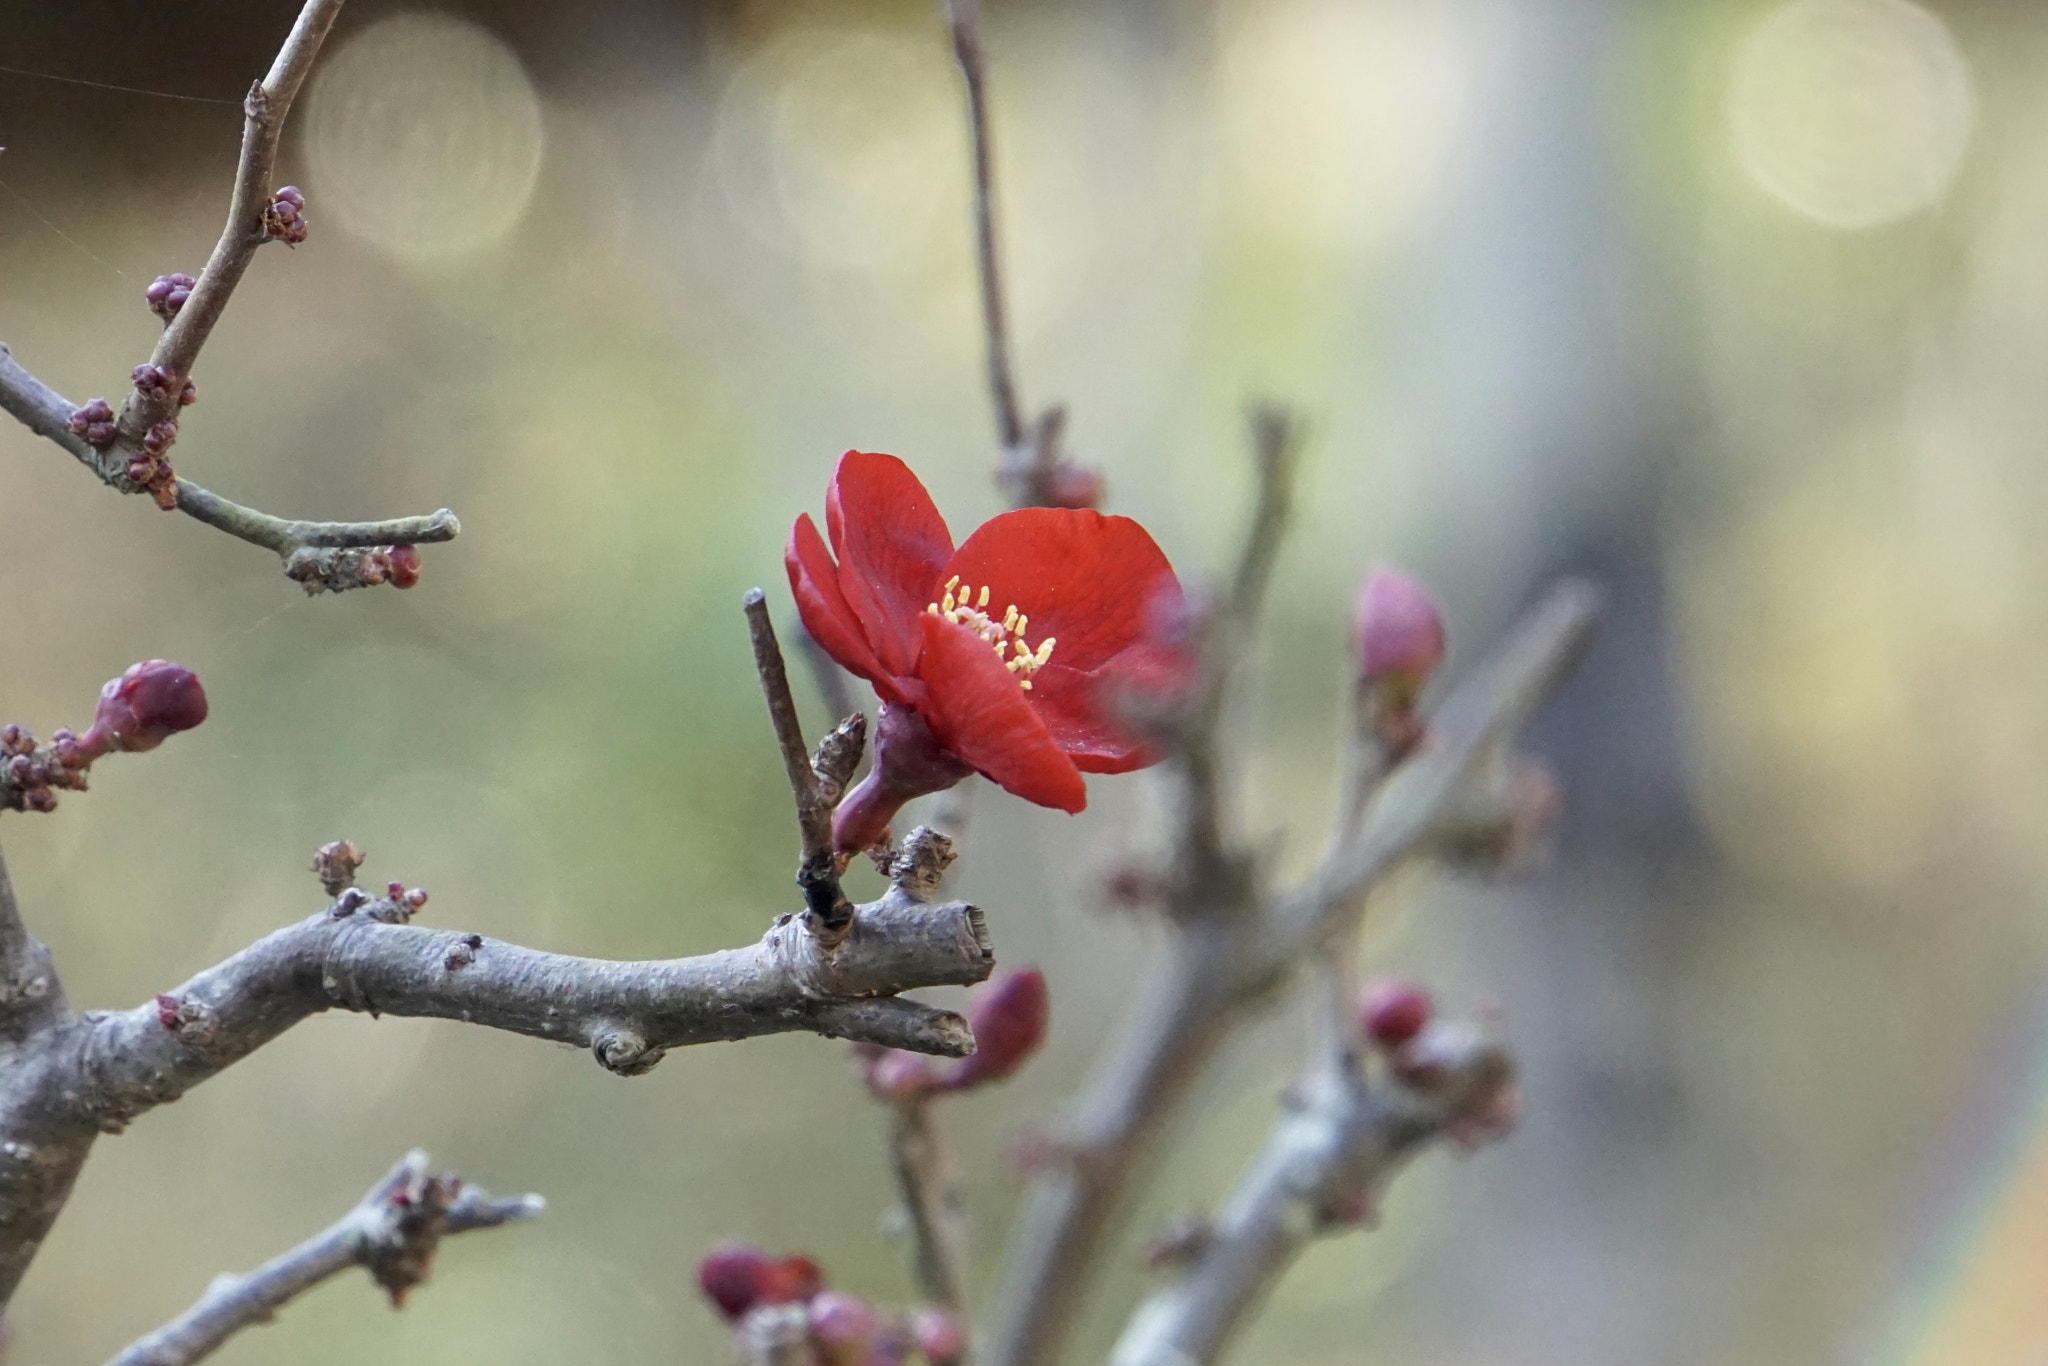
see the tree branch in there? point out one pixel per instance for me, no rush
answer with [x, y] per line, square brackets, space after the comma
[31, 997]
[963, 16]
[922, 1159]
[100, 1071]
[1327, 1159]
[392, 1233]
[1222, 962]
[306, 547]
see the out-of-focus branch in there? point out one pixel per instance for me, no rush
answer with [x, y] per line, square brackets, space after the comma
[392, 1233]
[1325, 1163]
[815, 780]
[316, 554]
[964, 17]
[930, 1182]
[1226, 958]
[98, 1072]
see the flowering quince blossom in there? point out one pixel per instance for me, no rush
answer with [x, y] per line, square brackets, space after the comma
[1003, 656]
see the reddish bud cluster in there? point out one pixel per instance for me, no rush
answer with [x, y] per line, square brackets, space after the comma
[167, 294]
[284, 217]
[149, 469]
[29, 775]
[842, 1329]
[409, 901]
[95, 422]
[1391, 1011]
[1009, 1018]
[152, 381]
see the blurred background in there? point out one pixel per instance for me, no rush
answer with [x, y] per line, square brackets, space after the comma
[1740, 307]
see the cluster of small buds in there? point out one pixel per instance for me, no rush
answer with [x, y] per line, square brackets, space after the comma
[1421, 1050]
[30, 776]
[150, 701]
[785, 1300]
[95, 422]
[284, 217]
[167, 294]
[411, 900]
[152, 381]
[332, 569]
[149, 469]
[1399, 634]
[1009, 1018]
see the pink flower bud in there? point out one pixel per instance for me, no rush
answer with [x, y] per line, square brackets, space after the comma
[1398, 631]
[1392, 1011]
[153, 699]
[938, 1338]
[841, 1324]
[1009, 1017]
[730, 1277]
[893, 1074]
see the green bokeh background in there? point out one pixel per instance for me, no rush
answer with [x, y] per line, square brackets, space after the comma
[1499, 254]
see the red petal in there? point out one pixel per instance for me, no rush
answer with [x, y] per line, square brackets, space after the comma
[1078, 711]
[814, 581]
[980, 713]
[1083, 578]
[891, 544]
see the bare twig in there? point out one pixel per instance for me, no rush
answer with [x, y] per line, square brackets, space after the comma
[963, 16]
[1327, 1159]
[98, 1072]
[930, 1182]
[49, 414]
[1221, 963]
[392, 1233]
[815, 782]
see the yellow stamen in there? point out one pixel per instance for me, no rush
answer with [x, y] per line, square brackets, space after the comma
[982, 601]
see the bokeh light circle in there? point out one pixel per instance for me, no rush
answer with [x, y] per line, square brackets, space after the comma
[1854, 113]
[423, 134]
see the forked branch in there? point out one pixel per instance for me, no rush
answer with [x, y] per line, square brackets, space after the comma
[392, 1233]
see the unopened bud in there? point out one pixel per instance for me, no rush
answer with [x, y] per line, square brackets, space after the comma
[937, 1337]
[167, 294]
[788, 1280]
[893, 1074]
[730, 1277]
[405, 565]
[1392, 1011]
[1009, 1018]
[284, 218]
[152, 700]
[1069, 485]
[1399, 634]
[841, 1325]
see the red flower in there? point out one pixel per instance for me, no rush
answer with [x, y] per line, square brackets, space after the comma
[1002, 656]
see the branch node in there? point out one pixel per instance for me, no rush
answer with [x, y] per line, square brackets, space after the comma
[624, 1052]
[920, 862]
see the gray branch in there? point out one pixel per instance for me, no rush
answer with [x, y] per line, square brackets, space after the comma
[95, 1074]
[1328, 1157]
[48, 414]
[392, 1233]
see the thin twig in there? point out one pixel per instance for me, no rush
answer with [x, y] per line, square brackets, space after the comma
[1321, 1171]
[963, 16]
[815, 793]
[392, 1233]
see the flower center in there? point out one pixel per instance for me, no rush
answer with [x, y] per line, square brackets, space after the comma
[963, 606]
